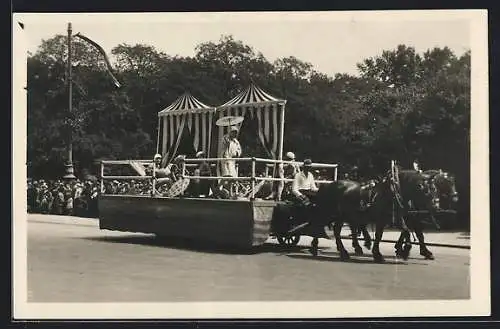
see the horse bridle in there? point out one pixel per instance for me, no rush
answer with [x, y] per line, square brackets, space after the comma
[448, 178]
[430, 190]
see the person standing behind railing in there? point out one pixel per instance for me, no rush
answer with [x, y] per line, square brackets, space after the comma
[231, 149]
[281, 189]
[290, 170]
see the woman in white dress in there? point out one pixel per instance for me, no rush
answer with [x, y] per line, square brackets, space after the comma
[231, 149]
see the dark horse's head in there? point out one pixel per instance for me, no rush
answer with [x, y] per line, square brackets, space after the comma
[418, 190]
[445, 185]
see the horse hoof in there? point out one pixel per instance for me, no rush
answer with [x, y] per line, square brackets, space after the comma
[313, 251]
[358, 251]
[344, 256]
[427, 255]
[403, 254]
[378, 258]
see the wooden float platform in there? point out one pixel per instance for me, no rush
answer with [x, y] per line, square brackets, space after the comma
[232, 223]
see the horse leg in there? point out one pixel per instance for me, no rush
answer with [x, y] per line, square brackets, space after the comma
[379, 231]
[355, 243]
[367, 237]
[314, 246]
[423, 248]
[403, 245]
[337, 228]
[399, 244]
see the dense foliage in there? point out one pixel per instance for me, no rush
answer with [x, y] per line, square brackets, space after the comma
[403, 104]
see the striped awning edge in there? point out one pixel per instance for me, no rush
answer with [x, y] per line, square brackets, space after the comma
[186, 103]
[252, 95]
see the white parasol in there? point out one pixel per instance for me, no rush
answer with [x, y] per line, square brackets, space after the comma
[228, 121]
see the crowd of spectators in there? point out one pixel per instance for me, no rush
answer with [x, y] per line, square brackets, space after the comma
[79, 197]
[60, 197]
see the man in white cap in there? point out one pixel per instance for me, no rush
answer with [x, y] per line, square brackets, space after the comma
[157, 160]
[304, 187]
[289, 171]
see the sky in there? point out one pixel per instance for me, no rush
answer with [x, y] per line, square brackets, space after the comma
[333, 42]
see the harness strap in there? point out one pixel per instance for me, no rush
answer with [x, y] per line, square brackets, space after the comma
[396, 191]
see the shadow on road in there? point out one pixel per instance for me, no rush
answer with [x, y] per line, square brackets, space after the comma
[195, 245]
[388, 258]
[174, 243]
[198, 246]
[351, 260]
[279, 249]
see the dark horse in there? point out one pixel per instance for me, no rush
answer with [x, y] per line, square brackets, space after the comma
[442, 187]
[339, 203]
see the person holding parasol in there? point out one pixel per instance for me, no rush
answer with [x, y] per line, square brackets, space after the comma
[231, 147]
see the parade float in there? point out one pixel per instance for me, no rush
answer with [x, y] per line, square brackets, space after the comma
[242, 219]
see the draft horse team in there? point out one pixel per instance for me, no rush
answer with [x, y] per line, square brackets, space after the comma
[399, 197]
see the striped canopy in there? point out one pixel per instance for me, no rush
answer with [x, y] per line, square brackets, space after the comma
[185, 112]
[198, 118]
[268, 111]
[252, 95]
[186, 103]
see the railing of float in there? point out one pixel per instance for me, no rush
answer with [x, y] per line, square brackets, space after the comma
[212, 162]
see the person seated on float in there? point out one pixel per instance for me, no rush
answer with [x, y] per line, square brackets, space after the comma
[171, 173]
[304, 187]
[175, 167]
[201, 187]
[160, 174]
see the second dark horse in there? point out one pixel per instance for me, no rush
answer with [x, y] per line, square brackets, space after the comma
[339, 203]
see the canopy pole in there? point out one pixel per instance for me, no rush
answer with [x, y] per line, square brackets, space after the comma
[282, 131]
[158, 137]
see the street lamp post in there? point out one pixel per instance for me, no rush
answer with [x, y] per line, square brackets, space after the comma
[69, 164]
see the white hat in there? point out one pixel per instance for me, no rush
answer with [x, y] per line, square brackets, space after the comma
[290, 155]
[234, 128]
[157, 156]
[200, 153]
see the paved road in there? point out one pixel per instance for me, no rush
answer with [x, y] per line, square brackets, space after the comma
[71, 260]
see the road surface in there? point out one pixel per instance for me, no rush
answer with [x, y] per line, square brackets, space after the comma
[71, 260]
